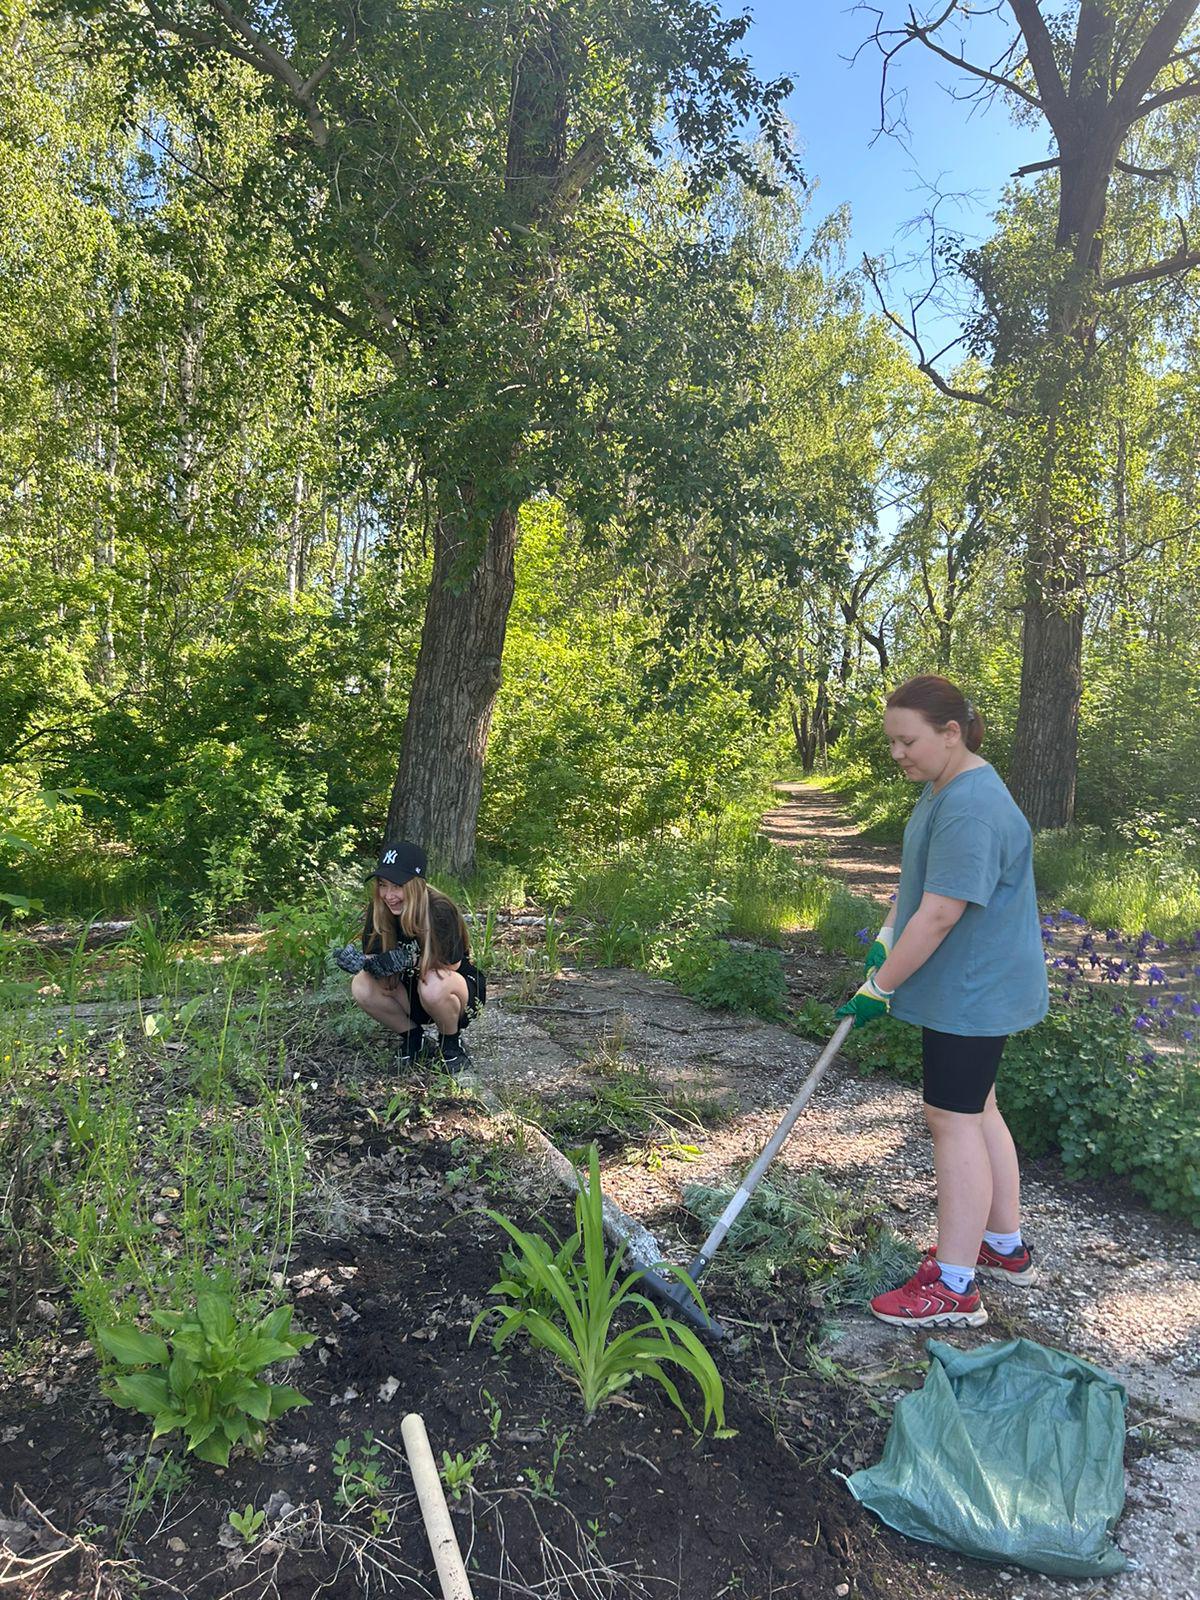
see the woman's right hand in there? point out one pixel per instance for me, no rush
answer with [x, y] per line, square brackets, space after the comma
[868, 1004]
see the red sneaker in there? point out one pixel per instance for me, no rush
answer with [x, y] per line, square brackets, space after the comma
[926, 1302]
[1017, 1267]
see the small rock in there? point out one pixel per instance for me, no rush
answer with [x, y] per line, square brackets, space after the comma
[842, 1588]
[160, 1219]
[177, 1545]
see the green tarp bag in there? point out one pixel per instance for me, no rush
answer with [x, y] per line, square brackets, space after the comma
[1009, 1453]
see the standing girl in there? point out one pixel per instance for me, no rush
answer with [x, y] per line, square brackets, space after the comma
[435, 979]
[961, 956]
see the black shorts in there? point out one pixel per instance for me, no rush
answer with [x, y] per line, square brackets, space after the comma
[959, 1070]
[476, 995]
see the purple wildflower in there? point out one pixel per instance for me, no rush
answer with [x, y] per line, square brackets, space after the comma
[1156, 975]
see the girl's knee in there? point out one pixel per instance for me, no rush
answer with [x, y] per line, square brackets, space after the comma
[362, 988]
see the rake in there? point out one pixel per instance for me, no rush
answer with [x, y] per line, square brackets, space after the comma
[679, 1296]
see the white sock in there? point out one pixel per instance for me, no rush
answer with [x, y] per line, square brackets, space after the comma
[957, 1278]
[1005, 1243]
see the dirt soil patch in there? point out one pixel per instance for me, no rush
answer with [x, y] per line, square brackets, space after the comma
[395, 1260]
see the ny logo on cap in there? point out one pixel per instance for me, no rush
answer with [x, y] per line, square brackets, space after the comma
[389, 858]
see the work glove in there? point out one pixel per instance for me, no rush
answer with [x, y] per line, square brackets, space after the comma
[392, 963]
[870, 1003]
[350, 958]
[880, 950]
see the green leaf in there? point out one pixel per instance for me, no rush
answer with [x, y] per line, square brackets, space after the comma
[258, 1352]
[215, 1315]
[133, 1347]
[214, 1449]
[145, 1391]
[182, 1374]
[285, 1398]
[252, 1397]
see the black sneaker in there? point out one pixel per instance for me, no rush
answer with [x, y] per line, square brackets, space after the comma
[450, 1054]
[408, 1050]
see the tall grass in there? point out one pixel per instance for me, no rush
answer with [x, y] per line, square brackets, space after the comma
[1154, 884]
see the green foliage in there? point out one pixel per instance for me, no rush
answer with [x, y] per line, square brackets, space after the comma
[797, 1224]
[457, 1471]
[1079, 1084]
[1146, 876]
[586, 1295]
[204, 1377]
[729, 976]
[360, 1479]
[248, 1523]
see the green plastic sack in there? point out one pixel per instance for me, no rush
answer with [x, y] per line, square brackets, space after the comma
[1012, 1452]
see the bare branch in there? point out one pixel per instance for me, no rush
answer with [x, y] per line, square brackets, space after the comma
[924, 362]
[1170, 266]
[914, 30]
[1145, 172]
[1037, 166]
[1181, 91]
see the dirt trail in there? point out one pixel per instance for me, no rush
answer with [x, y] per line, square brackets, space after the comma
[812, 815]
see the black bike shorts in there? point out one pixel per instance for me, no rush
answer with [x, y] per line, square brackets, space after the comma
[476, 995]
[960, 1070]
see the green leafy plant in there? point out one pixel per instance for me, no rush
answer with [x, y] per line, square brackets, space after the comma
[731, 977]
[814, 1019]
[403, 1109]
[585, 1295]
[458, 1471]
[247, 1523]
[361, 1481]
[542, 1483]
[203, 1378]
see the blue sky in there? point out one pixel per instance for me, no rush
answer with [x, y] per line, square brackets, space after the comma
[961, 149]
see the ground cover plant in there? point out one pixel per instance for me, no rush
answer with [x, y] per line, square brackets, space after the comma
[796, 1228]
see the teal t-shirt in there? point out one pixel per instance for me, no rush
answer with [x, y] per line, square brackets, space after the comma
[988, 976]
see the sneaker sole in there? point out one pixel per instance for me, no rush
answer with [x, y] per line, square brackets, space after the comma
[1006, 1275]
[945, 1319]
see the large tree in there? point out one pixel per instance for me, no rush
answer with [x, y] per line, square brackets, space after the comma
[446, 175]
[1115, 84]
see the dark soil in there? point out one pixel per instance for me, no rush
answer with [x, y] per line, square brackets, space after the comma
[638, 1502]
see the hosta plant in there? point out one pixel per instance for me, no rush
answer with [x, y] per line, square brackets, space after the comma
[202, 1374]
[567, 1298]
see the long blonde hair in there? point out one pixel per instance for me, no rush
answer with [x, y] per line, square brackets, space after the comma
[413, 922]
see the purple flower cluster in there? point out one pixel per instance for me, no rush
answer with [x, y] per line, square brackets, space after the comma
[1126, 960]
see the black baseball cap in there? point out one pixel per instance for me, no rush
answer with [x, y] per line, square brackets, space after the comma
[400, 862]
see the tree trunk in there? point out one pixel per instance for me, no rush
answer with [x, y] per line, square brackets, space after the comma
[435, 801]
[1042, 770]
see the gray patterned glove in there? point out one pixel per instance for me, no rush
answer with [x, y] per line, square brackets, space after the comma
[350, 958]
[395, 963]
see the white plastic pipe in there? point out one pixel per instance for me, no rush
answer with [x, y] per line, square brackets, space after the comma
[439, 1530]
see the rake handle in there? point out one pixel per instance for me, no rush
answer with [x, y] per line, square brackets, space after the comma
[776, 1142]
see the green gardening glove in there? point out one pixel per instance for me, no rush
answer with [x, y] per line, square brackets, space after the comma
[870, 1003]
[880, 950]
